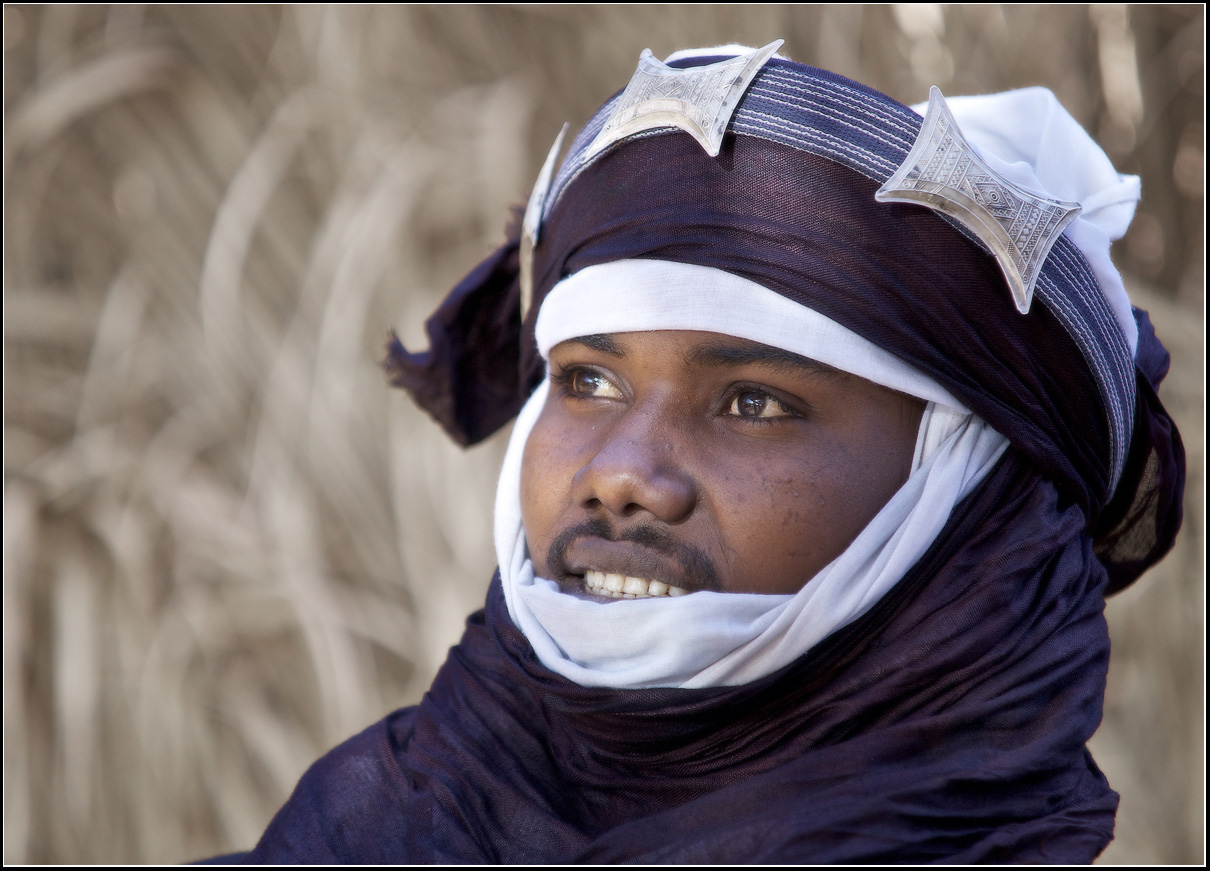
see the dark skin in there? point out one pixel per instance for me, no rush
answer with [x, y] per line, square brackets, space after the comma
[705, 461]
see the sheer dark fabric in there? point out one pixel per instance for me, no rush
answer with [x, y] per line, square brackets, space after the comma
[470, 378]
[946, 725]
[1141, 523]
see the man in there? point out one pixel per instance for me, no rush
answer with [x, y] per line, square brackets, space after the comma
[834, 426]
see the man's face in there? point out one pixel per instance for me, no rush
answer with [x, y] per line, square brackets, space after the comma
[704, 462]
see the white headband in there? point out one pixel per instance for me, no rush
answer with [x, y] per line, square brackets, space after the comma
[628, 296]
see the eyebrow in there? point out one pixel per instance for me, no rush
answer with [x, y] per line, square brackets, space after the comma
[733, 352]
[601, 343]
[740, 352]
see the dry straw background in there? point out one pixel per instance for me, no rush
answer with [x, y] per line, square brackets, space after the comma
[227, 546]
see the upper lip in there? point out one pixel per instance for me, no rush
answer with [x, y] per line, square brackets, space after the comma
[624, 558]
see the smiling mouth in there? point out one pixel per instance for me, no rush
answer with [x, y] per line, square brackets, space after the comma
[615, 586]
[638, 562]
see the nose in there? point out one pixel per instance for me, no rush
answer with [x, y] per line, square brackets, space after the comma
[637, 468]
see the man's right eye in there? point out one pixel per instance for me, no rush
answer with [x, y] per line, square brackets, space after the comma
[588, 383]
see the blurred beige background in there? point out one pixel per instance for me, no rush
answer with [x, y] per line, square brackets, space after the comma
[227, 545]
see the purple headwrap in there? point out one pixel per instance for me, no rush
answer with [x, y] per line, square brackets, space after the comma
[789, 203]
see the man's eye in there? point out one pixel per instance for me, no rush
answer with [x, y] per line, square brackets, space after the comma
[754, 405]
[585, 382]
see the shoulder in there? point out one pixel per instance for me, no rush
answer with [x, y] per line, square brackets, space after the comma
[349, 807]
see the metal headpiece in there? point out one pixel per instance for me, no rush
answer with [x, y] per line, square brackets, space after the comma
[698, 100]
[943, 172]
[531, 223]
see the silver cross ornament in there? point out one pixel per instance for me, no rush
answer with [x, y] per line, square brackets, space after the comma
[698, 100]
[943, 172]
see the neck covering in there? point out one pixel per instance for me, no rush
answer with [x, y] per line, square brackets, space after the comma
[946, 724]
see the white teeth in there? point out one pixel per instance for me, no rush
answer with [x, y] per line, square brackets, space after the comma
[615, 586]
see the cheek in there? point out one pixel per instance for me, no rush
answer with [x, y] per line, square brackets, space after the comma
[776, 522]
[786, 521]
[858, 476]
[546, 472]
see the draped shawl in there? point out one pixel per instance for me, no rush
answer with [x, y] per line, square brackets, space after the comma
[946, 724]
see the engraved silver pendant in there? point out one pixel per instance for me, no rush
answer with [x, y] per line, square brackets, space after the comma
[698, 100]
[943, 172]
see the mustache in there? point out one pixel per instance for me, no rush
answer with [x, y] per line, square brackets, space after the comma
[696, 563]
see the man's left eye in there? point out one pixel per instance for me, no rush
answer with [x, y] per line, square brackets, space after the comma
[754, 405]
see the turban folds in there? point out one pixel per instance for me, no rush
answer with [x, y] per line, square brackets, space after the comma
[789, 204]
